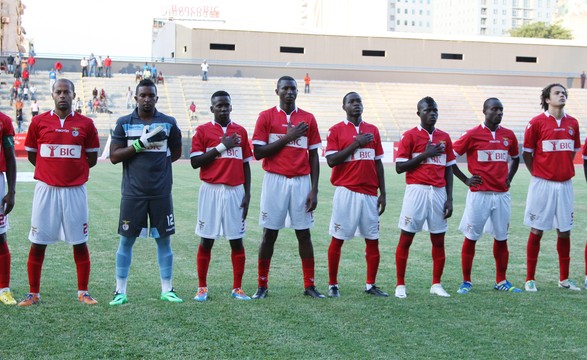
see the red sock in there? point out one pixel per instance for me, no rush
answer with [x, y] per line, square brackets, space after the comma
[372, 256]
[308, 270]
[81, 256]
[438, 256]
[563, 247]
[203, 263]
[532, 250]
[501, 255]
[334, 251]
[238, 267]
[264, 266]
[4, 265]
[401, 256]
[467, 256]
[34, 267]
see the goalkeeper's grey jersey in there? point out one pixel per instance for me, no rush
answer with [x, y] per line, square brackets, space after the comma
[147, 175]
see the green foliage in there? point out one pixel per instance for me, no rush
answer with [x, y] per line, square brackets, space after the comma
[542, 30]
[484, 324]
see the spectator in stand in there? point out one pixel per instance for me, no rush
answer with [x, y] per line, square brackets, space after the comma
[160, 78]
[10, 63]
[17, 71]
[90, 106]
[31, 61]
[100, 66]
[307, 83]
[193, 115]
[25, 77]
[33, 92]
[25, 93]
[84, 64]
[108, 66]
[35, 108]
[204, 67]
[52, 78]
[17, 83]
[96, 105]
[95, 92]
[138, 76]
[58, 66]
[92, 63]
[102, 94]
[129, 98]
[147, 73]
[78, 105]
[19, 93]
[18, 107]
[154, 72]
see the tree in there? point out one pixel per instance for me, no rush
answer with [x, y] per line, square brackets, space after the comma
[542, 30]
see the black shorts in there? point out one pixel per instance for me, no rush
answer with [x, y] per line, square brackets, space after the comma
[133, 217]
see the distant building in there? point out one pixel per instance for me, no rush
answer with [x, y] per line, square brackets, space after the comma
[467, 17]
[11, 32]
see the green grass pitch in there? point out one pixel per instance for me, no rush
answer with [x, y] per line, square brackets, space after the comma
[484, 324]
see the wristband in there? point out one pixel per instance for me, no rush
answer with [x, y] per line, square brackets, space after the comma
[137, 145]
[220, 148]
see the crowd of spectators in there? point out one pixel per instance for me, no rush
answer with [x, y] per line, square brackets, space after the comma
[21, 90]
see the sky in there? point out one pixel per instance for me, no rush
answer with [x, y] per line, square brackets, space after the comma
[124, 27]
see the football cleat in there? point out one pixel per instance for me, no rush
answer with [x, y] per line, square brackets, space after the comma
[507, 286]
[465, 287]
[569, 285]
[333, 291]
[530, 286]
[400, 292]
[6, 298]
[311, 291]
[437, 289]
[375, 291]
[239, 294]
[30, 299]
[202, 294]
[171, 296]
[86, 298]
[262, 293]
[119, 299]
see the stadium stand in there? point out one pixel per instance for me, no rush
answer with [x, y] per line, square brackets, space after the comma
[391, 106]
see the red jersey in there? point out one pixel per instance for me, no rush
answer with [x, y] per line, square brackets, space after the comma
[553, 144]
[358, 172]
[487, 155]
[6, 129]
[227, 168]
[107, 62]
[293, 159]
[430, 171]
[61, 149]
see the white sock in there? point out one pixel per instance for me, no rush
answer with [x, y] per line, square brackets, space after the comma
[121, 285]
[166, 285]
[4, 290]
[368, 286]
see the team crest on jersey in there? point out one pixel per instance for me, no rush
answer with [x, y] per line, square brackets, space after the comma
[571, 131]
[75, 131]
[125, 225]
[407, 220]
[506, 142]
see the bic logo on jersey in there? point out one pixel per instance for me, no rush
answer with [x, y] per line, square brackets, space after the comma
[492, 156]
[301, 142]
[233, 153]
[362, 154]
[61, 151]
[557, 145]
[433, 160]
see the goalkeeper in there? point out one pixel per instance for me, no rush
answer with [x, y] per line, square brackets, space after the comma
[146, 142]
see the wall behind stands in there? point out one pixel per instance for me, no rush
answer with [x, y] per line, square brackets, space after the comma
[488, 61]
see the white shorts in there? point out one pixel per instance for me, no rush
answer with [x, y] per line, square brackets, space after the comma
[354, 214]
[220, 212]
[3, 218]
[423, 209]
[283, 202]
[59, 214]
[549, 205]
[486, 211]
